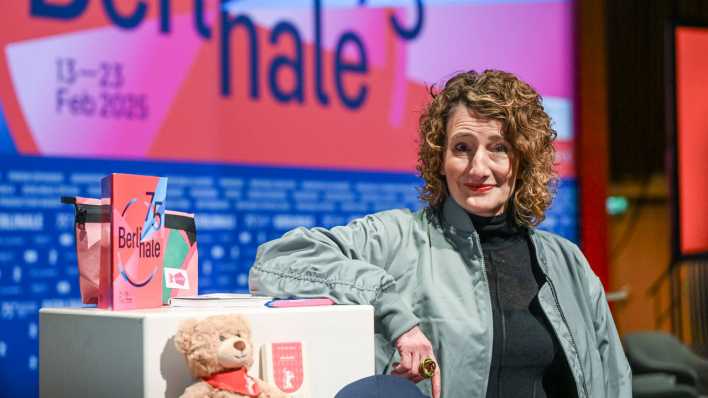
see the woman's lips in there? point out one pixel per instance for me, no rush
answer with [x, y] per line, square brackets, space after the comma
[479, 188]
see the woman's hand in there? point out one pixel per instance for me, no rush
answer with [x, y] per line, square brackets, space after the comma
[414, 347]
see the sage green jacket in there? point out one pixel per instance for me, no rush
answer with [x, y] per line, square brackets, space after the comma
[427, 269]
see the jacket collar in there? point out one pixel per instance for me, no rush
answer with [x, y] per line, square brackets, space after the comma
[458, 223]
[456, 217]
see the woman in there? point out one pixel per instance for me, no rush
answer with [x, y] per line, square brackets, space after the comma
[504, 309]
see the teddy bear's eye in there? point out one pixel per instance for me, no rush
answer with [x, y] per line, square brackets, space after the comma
[222, 337]
[238, 335]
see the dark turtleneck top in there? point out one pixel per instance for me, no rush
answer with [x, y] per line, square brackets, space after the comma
[527, 360]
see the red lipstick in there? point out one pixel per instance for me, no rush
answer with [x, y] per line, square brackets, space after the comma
[480, 188]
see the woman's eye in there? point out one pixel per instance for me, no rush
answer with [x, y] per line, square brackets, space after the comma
[460, 147]
[222, 338]
[501, 148]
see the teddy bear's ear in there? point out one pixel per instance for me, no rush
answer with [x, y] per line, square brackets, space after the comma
[183, 338]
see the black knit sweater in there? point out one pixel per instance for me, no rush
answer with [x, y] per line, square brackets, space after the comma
[527, 360]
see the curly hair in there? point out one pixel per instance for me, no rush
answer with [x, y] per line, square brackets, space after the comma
[501, 96]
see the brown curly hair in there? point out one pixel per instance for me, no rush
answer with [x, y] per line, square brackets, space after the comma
[493, 95]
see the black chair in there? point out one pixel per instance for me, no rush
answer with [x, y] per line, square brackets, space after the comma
[664, 356]
[660, 385]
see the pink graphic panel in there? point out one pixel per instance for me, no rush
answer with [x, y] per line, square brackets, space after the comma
[100, 92]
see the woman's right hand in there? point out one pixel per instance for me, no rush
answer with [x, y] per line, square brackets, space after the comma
[413, 348]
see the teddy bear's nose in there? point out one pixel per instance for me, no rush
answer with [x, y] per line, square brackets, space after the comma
[240, 345]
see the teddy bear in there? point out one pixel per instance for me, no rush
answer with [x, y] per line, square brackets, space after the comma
[219, 352]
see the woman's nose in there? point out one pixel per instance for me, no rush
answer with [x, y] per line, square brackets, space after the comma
[479, 165]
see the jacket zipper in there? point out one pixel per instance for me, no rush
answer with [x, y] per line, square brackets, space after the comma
[572, 339]
[502, 324]
[560, 311]
[484, 275]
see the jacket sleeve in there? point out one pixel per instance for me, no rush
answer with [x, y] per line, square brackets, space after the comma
[618, 375]
[348, 264]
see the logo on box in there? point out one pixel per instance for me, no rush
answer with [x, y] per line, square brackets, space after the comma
[176, 278]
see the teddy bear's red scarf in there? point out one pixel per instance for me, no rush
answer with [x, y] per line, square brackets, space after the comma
[235, 381]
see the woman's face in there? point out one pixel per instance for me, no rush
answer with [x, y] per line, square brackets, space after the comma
[478, 164]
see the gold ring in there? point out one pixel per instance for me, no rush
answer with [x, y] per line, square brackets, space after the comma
[427, 368]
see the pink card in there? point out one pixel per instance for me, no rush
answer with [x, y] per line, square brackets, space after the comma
[285, 366]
